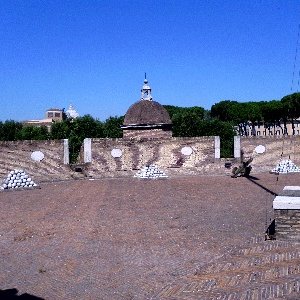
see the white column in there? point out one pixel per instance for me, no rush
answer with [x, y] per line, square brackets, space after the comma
[217, 147]
[87, 150]
[237, 146]
[66, 152]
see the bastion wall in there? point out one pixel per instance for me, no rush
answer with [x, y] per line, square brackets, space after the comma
[100, 160]
[168, 154]
[277, 148]
[17, 155]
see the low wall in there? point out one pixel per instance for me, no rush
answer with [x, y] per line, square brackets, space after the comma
[287, 214]
[277, 148]
[123, 157]
[111, 157]
[154, 133]
[17, 155]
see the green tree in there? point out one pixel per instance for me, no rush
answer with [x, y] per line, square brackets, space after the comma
[10, 130]
[33, 133]
[175, 110]
[273, 114]
[222, 129]
[112, 127]
[291, 105]
[186, 124]
[60, 130]
[76, 130]
[227, 111]
[79, 129]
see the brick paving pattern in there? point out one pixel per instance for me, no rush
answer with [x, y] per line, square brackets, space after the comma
[197, 237]
[261, 271]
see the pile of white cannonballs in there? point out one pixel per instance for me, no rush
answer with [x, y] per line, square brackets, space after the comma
[150, 172]
[285, 166]
[17, 179]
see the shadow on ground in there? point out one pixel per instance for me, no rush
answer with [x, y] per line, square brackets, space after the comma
[12, 294]
[253, 180]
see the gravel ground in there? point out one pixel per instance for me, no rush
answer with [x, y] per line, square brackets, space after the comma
[126, 238]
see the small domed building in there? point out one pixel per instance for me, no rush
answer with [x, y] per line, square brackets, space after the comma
[147, 118]
[148, 146]
[71, 112]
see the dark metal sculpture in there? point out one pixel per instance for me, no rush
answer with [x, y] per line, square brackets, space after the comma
[243, 170]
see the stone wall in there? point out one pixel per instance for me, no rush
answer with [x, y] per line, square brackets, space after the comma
[154, 133]
[277, 148]
[165, 153]
[17, 155]
[287, 224]
[287, 214]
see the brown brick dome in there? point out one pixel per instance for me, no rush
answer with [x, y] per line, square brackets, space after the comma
[147, 118]
[145, 112]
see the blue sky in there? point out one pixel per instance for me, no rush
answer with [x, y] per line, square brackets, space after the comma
[93, 54]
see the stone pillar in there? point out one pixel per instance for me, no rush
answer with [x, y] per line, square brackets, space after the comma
[87, 150]
[217, 147]
[237, 146]
[287, 214]
[66, 152]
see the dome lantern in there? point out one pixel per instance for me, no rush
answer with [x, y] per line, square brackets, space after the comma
[147, 118]
[146, 91]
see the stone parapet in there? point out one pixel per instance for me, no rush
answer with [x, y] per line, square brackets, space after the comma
[53, 166]
[287, 214]
[277, 148]
[196, 155]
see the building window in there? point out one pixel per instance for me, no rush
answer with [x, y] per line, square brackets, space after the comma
[258, 133]
[50, 114]
[57, 115]
[264, 132]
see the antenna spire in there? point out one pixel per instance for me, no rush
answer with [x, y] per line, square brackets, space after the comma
[295, 60]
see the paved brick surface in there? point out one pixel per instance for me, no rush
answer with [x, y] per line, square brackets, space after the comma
[263, 270]
[134, 239]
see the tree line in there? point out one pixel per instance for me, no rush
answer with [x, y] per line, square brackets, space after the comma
[266, 113]
[75, 130]
[220, 120]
